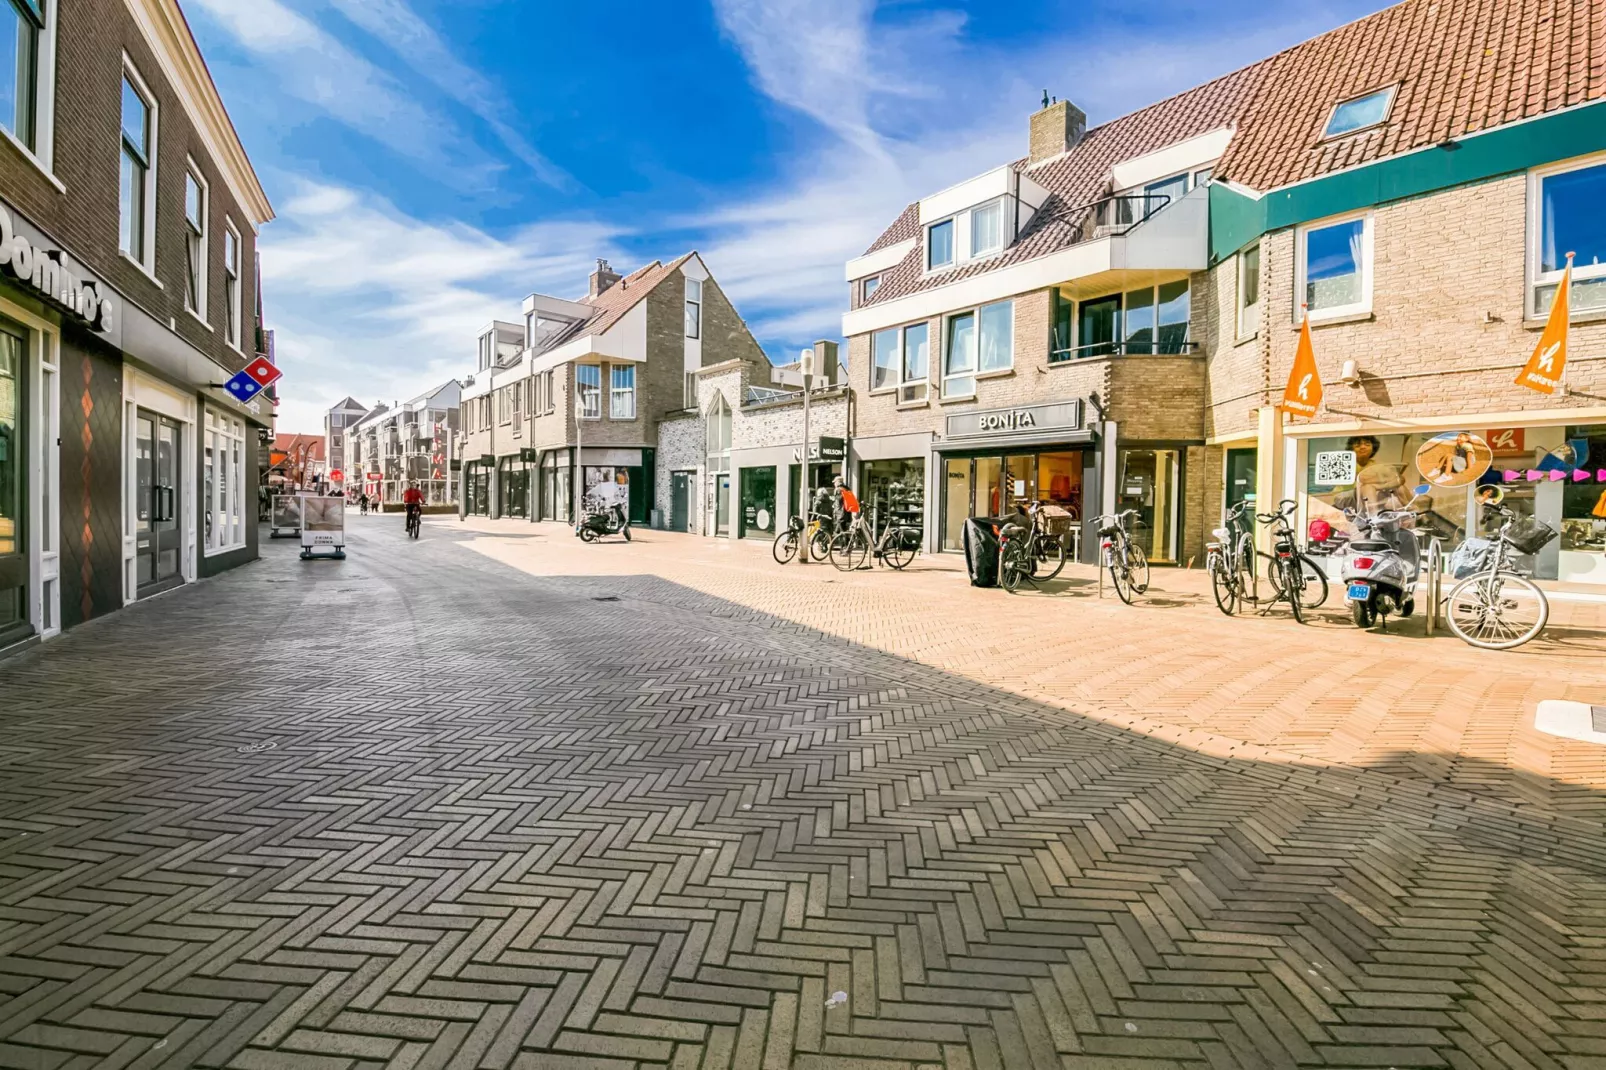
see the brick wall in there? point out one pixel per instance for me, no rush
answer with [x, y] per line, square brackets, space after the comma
[681, 446]
[91, 39]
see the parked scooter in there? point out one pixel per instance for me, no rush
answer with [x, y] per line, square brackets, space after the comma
[1381, 569]
[600, 522]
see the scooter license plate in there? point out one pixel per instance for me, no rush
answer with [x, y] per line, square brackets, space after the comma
[1358, 592]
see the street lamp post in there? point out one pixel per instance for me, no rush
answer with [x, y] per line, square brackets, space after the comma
[579, 469]
[806, 366]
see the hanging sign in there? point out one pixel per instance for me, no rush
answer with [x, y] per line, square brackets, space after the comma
[1454, 459]
[1303, 394]
[1544, 369]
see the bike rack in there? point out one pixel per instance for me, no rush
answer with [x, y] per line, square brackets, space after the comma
[1435, 576]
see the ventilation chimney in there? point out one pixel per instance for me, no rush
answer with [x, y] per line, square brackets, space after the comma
[825, 364]
[603, 277]
[1056, 128]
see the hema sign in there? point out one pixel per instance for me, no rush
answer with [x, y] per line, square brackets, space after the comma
[1023, 419]
[27, 257]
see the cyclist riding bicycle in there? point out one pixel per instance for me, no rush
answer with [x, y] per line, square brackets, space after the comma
[413, 499]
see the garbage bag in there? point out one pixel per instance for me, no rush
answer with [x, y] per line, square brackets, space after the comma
[981, 550]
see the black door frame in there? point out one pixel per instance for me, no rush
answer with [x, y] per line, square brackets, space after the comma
[166, 504]
[14, 571]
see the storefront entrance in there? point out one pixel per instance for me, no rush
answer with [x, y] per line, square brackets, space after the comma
[476, 489]
[722, 505]
[513, 487]
[680, 500]
[821, 476]
[1148, 482]
[13, 486]
[557, 499]
[1240, 475]
[158, 531]
[758, 502]
[994, 484]
[895, 487]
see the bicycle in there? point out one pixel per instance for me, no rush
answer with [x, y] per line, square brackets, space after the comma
[1290, 572]
[1498, 607]
[1230, 560]
[1129, 569]
[784, 548]
[896, 544]
[415, 520]
[1026, 552]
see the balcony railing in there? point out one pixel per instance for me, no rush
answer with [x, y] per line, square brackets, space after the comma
[1160, 347]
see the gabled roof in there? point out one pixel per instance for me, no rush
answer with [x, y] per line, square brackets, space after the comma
[1075, 180]
[611, 304]
[1460, 66]
[348, 403]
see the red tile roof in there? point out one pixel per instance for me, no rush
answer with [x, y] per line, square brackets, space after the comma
[1461, 66]
[611, 304]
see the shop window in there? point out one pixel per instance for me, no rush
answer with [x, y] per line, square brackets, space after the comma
[223, 490]
[884, 358]
[1566, 217]
[1333, 268]
[588, 381]
[1249, 291]
[894, 488]
[622, 393]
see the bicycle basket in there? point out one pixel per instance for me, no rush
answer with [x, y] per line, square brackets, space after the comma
[1528, 534]
[1470, 558]
[1057, 521]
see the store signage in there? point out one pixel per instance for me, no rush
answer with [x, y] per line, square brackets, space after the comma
[830, 449]
[529, 455]
[1030, 419]
[375, 477]
[1507, 441]
[28, 258]
[488, 460]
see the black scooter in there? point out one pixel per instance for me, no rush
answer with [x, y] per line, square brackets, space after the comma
[610, 521]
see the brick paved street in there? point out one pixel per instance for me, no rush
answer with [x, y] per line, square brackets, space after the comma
[495, 799]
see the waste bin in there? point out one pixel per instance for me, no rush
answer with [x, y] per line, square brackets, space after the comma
[981, 550]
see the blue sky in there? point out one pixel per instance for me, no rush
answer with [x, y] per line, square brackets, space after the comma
[431, 163]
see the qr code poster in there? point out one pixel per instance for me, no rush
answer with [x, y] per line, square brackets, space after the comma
[1336, 468]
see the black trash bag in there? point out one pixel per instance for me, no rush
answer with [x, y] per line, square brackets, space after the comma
[981, 550]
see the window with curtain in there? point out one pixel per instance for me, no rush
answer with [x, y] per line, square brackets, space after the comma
[622, 394]
[194, 244]
[987, 229]
[1333, 267]
[21, 22]
[916, 362]
[1571, 220]
[959, 369]
[588, 380]
[134, 178]
[996, 337]
[883, 358]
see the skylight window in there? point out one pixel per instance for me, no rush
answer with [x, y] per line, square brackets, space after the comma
[1359, 113]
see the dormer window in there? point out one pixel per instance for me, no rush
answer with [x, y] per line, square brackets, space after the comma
[940, 245]
[868, 287]
[987, 229]
[1359, 113]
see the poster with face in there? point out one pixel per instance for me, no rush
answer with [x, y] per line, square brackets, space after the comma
[1454, 459]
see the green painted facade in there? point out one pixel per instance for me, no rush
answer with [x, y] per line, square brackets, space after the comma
[1237, 219]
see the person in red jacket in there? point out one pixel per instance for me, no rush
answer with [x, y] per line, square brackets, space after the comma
[413, 500]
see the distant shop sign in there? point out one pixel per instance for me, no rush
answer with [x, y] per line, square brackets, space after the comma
[1023, 419]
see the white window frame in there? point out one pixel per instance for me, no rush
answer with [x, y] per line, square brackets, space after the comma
[233, 311]
[225, 507]
[953, 246]
[146, 261]
[694, 308]
[893, 372]
[991, 250]
[897, 383]
[1355, 310]
[1536, 223]
[593, 400]
[621, 399]
[1247, 317]
[41, 154]
[1332, 113]
[202, 241]
[976, 373]
[504, 405]
[867, 287]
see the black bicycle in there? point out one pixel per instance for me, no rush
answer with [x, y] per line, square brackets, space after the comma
[1031, 551]
[819, 538]
[1294, 578]
[415, 520]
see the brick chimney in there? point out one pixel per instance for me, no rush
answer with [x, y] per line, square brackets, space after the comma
[1056, 128]
[603, 277]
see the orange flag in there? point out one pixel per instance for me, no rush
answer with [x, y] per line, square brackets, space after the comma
[1549, 360]
[1303, 395]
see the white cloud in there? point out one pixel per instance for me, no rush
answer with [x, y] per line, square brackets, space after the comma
[368, 301]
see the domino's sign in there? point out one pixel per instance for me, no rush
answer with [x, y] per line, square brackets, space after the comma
[28, 258]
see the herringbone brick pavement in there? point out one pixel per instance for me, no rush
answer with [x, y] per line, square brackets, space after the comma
[419, 809]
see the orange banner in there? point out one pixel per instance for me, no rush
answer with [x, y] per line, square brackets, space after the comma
[1303, 394]
[1549, 360]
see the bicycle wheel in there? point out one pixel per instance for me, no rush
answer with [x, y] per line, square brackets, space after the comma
[1052, 556]
[784, 548]
[1222, 585]
[1137, 568]
[850, 549]
[1314, 584]
[820, 544]
[1293, 586]
[901, 548]
[1121, 573]
[1009, 572]
[1497, 610]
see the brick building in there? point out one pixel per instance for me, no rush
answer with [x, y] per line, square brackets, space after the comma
[341, 415]
[630, 349]
[128, 221]
[1109, 322]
